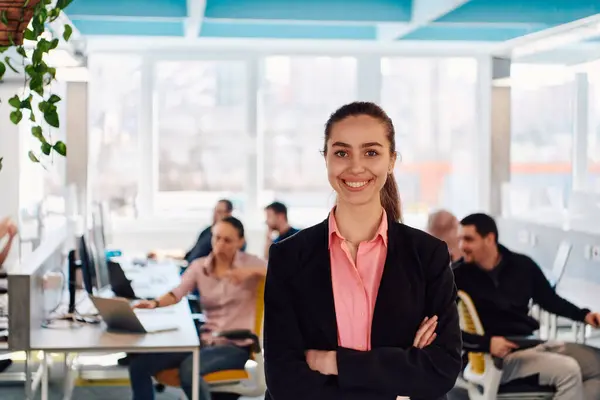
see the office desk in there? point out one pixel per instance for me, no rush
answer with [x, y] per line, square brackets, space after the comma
[95, 339]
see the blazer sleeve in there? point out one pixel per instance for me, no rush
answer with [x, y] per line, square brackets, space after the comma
[287, 374]
[430, 372]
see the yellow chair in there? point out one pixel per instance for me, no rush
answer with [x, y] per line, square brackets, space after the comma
[249, 381]
[482, 375]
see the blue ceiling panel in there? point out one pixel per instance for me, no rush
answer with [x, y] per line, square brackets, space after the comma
[287, 31]
[311, 10]
[550, 12]
[465, 33]
[128, 28]
[129, 8]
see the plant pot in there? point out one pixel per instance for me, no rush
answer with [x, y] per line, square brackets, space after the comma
[18, 16]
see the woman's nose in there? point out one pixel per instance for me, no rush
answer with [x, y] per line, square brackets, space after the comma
[357, 165]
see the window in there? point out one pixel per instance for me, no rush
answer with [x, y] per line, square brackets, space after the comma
[201, 116]
[114, 112]
[297, 96]
[432, 103]
[594, 129]
[542, 129]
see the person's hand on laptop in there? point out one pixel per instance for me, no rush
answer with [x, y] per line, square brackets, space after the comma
[146, 304]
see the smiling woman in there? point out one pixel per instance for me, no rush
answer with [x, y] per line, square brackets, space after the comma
[360, 305]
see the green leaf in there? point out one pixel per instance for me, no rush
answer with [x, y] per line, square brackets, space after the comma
[37, 55]
[51, 117]
[62, 4]
[4, 17]
[37, 133]
[26, 103]
[37, 84]
[29, 34]
[7, 62]
[1, 158]
[15, 101]
[16, 116]
[32, 157]
[32, 117]
[60, 148]
[21, 51]
[43, 45]
[2, 70]
[54, 99]
[53, 44]
[46, 148]
[67, 33]
[3, 49]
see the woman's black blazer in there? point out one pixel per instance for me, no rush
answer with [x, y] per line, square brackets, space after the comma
[417, 281]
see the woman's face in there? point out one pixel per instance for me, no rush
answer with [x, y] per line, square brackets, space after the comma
[358, 159]
[226, 240]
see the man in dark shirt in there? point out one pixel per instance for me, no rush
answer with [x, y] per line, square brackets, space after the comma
[277, 221]
[203, 246]
[501, 284]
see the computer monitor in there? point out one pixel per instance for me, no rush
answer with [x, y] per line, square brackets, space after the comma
[86, 263]
[99, 255]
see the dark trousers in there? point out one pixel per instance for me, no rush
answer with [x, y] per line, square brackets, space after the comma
[144, 366]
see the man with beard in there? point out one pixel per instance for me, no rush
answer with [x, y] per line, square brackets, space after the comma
[277, 222]
[501, 284]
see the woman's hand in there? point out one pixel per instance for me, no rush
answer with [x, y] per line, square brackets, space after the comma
[426, 333]
[148, 304]
[322, 361]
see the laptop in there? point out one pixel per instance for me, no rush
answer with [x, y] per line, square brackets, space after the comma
[120, 317]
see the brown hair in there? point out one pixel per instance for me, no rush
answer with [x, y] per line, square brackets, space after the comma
[390, 198]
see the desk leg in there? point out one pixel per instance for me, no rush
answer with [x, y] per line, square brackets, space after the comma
[45, 376]
[196, 374]
[28, 377]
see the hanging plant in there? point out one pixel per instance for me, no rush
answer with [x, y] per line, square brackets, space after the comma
[25, 21]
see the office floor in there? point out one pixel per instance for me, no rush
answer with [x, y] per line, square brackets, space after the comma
[92, 393]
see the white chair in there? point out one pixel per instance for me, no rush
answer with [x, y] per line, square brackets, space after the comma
[482, 375]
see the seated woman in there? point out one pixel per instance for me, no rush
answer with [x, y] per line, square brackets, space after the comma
[227, 279]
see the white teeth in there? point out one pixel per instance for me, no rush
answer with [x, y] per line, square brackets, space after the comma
[356, 184]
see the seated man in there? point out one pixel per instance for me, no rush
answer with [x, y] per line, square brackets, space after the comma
[203, 246]
[277, 221]
[501, 284]
[227, 279]
[7, 229]
[444, 225]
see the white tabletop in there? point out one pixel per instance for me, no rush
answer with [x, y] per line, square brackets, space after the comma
[92, 338]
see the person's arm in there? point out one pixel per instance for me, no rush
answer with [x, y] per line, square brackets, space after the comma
[6, 250]
[6, 228]
[268, 243]
[547, 298]
[188, 283]
[286, 370]
[476, 343]
[430, 372]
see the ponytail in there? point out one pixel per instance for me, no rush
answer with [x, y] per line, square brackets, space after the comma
[390, 199]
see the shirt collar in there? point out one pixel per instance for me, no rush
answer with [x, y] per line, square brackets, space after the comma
[209, 266]
[381, 230]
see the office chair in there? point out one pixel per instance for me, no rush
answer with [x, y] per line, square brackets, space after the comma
[481, 377]
[232, 384]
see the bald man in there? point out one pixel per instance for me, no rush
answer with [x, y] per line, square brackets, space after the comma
[444, 225]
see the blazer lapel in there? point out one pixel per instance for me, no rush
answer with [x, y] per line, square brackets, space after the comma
[319, 275]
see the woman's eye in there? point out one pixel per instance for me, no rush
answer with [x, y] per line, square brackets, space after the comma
[341, 153]
[372, 153]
